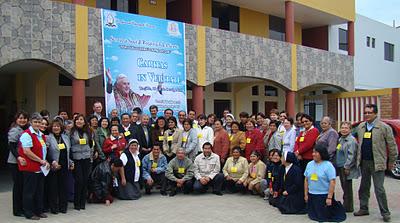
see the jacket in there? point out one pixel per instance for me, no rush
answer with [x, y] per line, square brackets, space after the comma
[206, 166]
[259, 174]
[13, 138]
[54, 148]
[80, 148]
[190, 142]
[109, 142]
[238, 139]
[305, 143]
[221, 144]
[238, 170]
[174, 172]
[148, 163]
[172, 141]
[382, 138]
[329, 138]
[157, 136]
[140, 135]
[99, 138]
[254, 142]
[347, 149]
[205, 134]
[288, 140]
[275, 141]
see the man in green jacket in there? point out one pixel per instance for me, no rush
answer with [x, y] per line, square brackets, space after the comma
[180, 172]
[375, 137]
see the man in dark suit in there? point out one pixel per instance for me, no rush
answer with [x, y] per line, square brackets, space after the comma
[143, 135]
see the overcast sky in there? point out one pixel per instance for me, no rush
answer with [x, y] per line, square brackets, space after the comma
[381, 10]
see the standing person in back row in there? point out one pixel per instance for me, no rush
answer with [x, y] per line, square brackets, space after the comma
[374, 138]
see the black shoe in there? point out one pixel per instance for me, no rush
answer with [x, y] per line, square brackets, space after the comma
[77, 208]
[19, 214]
[361, 213]
[148, 192]
[387, 218]
[63, 211]
[217, 193]
[54, 212]
[172, 193]
[34, 217]
[42, 215]
[163, 193]
[83, 207]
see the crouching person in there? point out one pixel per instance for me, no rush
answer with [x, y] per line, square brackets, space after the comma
[207, 167]
[129, 187]
[154, 166]
[180, 172]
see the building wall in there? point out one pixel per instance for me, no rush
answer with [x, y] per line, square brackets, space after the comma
[341, 8]
[158, 10]
[253, 23]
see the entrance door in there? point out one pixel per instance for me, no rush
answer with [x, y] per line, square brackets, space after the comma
[269, 105]
[220, 106]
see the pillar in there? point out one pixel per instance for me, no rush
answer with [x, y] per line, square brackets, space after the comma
[197, 91]
[395, 103]
[289, 21]
[80, 2]
[289, 37]
[290, 103]
[350, 38]
[78, 96]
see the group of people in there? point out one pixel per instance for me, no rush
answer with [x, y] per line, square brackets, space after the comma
[287, 161]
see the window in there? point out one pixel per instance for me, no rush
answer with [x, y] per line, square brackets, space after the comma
[254, 106]
[389, 52]
[276, 28]
[270, 91]
[225, 16]
[368, 41]
[343, 39]
[373, 42]
[118, 5]
[222, 87]
[254, 90]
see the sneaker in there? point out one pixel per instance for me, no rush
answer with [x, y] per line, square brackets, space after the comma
[387, 218]
[361, 213]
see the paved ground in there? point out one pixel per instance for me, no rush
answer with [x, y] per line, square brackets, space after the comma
[201, 209]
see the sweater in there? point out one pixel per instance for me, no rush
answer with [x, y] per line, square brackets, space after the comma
[178, 169]
[237, 169]
[221, 144]
[238, 139]
[305, 143]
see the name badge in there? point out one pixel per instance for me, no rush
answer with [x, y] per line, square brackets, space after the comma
[314, 177]
[42, 142]
[138, 163]
[269, 175]
[154, 165]
[253, 175]
[82, 141]
[199, 135]
[230, 137]
[181, 170]
[161, 138]
[184, 139]
[127, 133]
[61, 146]
[339, 146]
[248, 140]
[153, 125]
[195, 126]
[301, 139]
[367, 135]
[169, 138]
[234, 169]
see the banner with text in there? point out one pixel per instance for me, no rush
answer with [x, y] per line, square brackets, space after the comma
[144, 63]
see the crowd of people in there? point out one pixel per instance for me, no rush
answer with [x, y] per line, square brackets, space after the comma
[286, 160]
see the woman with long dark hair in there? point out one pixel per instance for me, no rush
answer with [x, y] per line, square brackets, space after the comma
[160, 126]
[19, 125]
[81, 144]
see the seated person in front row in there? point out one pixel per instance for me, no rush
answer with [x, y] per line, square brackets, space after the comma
[180, 172]
[154, 166]
[129, 187]
[291, 184]
[256, 173]
[206, 172]
[269, 185]
[236, 170]
[102, 181]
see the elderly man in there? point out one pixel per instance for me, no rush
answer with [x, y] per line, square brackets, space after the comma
[97, 109]
[154, 166]
[207, 171]
[328, 137]
[377, 151]
[181, 118]
[180, 172]
[125, 99]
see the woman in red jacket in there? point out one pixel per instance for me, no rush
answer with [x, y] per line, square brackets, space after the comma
[254, 140]
[305, 142]
[114, 145]
[221, 143]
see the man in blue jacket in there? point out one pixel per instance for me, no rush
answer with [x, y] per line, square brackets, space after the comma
[154, 167]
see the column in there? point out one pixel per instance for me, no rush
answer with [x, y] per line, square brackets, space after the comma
[80, 2]
[350, 38]
[78, 96]
[197, 91]
[289, 37]
[395, 103]
[290, 103]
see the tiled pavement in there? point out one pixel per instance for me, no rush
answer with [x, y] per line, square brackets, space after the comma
[203, 208]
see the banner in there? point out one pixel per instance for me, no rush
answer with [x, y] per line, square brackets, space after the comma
[144, 63]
